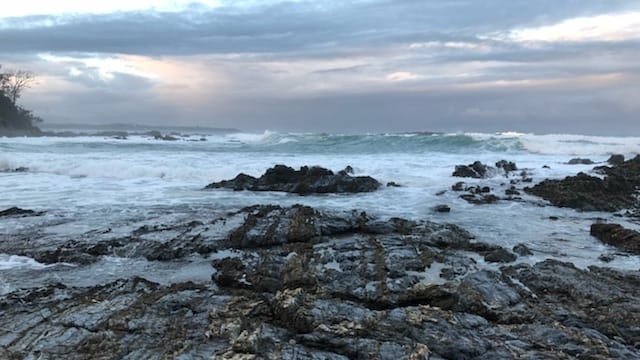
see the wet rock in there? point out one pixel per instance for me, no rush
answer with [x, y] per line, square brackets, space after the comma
[443, 208]
[476, 170]
[500, 256]
[132, 318]
[302, 283]
[522, 250]
[616, 159]
[512, 191]
[507, 166]
[459, 186]
[590, 193]
[306, 180]
[18, 212]
[580, 161]
[393, 184]
[480, 198]
[616, 235]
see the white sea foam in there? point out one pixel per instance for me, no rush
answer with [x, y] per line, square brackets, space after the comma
[97, 181]
[15, 261]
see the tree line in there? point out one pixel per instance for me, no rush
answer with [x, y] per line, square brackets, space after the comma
[15, 118]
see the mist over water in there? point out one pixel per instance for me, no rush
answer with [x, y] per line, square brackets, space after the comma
[88, 183]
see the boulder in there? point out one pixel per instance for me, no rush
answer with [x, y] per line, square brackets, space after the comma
[616, 159]
[476, 170]
[306, 180]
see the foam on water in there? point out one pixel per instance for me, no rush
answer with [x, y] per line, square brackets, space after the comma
[98, 182]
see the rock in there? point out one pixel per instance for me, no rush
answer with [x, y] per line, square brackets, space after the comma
[589, 193]
[459, 186]
[616, 159]
[522, 250]
[580, 161]
[302, 283]
[306, 180]
[507, 166]
[500, 256]
[443, 208]
[512, 191]
[18, 212]
[480, 198]
[476, 170]
[393, 184]
[618, 236]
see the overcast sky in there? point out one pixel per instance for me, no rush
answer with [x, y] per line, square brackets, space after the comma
[539, 66]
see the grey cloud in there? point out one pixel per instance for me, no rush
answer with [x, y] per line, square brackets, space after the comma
[284, 27]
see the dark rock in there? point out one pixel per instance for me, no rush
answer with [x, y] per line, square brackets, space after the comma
[443, 208]
[580, 161]
[616, 159]
[302, 283]
[306, 180]
[18, 212]
[589, 193]
[618, 236]
[500, 256]
[476, 170]
[459, 186]
[606, 258]
[393, 184]
[546, 167]
[507, 166]
[480, 199]
[512, 191]
[522, 250]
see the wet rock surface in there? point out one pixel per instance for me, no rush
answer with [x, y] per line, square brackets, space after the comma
[300, 283]
[616, 235]
[306, 180]
[616, 191]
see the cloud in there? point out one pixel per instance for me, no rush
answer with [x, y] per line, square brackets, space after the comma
[295, 64]
[402, 76]
[608, 27]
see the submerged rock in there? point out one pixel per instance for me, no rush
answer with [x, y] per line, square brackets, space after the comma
[18, 212]
[306, 180]
[580, 161]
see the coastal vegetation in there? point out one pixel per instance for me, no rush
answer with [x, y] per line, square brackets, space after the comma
[15, 119]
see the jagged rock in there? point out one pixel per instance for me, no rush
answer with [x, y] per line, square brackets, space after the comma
[580, 161]
[616, 159]
[507, 166]
[589, 193]
[476, 170]
[618, 236]
[302, 283]
[306, 180]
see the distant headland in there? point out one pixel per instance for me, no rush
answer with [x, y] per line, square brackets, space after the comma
[14, 119]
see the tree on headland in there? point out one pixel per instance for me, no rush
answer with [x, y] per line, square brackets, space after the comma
[14, 119]
[14, 82]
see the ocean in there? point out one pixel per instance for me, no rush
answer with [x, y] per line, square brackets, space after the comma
[86, 184]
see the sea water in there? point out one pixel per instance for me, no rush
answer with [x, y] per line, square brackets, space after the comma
[89, 183]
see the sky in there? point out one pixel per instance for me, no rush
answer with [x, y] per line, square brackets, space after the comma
[561, 66]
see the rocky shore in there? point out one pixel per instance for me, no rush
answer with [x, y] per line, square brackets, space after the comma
[303, 283]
